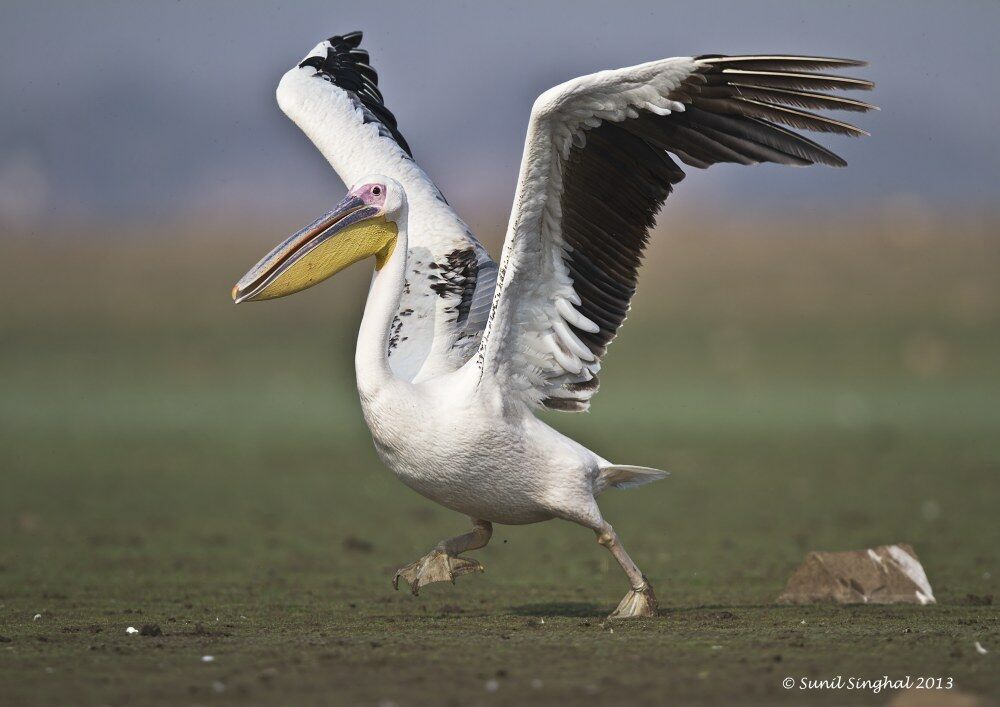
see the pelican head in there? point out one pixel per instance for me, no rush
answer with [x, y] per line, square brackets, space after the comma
[364, 224]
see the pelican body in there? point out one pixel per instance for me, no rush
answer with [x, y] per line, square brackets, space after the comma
[455, 352]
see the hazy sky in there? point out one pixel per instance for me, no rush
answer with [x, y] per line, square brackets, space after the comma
[163, 109]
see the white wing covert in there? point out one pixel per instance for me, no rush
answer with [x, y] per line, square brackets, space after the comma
[595, 172]
[333, 96]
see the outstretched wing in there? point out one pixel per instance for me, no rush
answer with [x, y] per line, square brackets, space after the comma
[595, 172]
[333, 96]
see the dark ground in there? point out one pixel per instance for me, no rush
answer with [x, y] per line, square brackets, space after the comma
[168, 459]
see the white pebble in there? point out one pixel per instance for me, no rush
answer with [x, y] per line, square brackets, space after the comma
[980, 650]
[131, 629]
[36, 617]
[207, 658]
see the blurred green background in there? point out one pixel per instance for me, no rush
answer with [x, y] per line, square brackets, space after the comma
[168, 458]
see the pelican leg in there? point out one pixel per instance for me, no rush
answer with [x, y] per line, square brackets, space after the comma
[640, 601]
[442, 564]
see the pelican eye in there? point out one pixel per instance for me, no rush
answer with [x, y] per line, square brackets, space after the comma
[376, 191]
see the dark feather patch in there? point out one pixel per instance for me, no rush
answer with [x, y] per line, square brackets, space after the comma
[612, 188]
[456, 277]
[565, 404]
[346, 66]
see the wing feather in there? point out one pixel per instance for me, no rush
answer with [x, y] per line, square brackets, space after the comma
[597, 169]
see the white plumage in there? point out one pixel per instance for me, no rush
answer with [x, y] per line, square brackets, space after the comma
[355, 144]
[454, 353]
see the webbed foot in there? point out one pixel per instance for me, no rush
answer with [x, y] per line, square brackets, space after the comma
[435, 566]
[638, 602]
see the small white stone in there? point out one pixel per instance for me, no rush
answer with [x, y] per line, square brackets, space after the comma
[541, 621]
[802, 621]
[207, 658]
[716, 648]
[36, 617]
[131, 629]
[492, 685]
[980, 650]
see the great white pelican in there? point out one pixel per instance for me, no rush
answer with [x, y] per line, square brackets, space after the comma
[456, 353]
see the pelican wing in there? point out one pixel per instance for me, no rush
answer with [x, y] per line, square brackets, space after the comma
[333, 96]
[595, 172]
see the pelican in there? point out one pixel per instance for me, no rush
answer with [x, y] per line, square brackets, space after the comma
[455, 353]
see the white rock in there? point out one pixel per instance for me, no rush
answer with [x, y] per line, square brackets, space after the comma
[207, 658]
[131, 630]
[980, 650]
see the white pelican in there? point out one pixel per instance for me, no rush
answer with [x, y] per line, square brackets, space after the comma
[454, 353]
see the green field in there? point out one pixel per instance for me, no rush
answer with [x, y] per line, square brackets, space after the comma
[170, 459]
